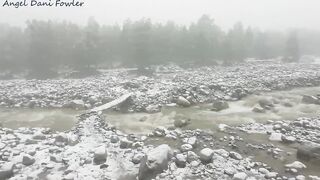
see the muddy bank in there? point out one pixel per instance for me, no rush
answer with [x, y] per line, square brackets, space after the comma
[169, 84]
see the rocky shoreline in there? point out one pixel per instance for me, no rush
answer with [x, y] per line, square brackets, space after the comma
[168, 85]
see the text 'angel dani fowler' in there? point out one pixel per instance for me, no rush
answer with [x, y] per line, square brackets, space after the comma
[37, 3]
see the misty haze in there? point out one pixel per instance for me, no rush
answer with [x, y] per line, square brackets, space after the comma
[149, 89]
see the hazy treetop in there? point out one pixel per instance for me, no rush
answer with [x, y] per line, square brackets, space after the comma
[265, 14]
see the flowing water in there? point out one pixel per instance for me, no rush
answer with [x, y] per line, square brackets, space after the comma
[56, 119]
[239, 112]
[201, 116]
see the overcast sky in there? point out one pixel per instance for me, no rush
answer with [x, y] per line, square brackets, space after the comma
[264, 14]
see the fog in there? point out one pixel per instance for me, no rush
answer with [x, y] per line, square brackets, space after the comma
[264, 14]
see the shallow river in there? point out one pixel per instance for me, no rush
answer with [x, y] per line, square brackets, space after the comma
[201, 116]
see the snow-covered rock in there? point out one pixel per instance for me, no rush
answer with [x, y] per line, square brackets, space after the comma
[155, 162]
[100, 155]
[240, 176]
[275, 137]
[183, 102]
[206, 154]
[296, 165]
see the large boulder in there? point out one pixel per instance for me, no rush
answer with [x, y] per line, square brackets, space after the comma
[310, 99]
[181, 160]
[288, 139]
[183, 102]
[265, 103]
[296, 165]
[28, 160]
[180, 122]
[240, 176]
[153, 108]
[308, 151]
[76, 104]
[154, 162]
[100, 155]
[125, 143]
[275, 137]
[219, 105]
[258, 109]
[206, 155]
[6, 171]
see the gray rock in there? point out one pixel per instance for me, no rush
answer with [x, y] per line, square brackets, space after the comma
[39, 136]
[219, 105]
[308, 151]
[191, 156]
[77, 104]
[287, 104]
[240, 176]
[296, 165]
[223, 127]
[235, 155]
[153, 109]
[154, 162]
[30, 141]
[56, 159]
[300, 177]
[288, 139]
[192, 141]
[179, 123]
[310, 99]
[206, 155]
[114, 139]
[2, 145]
[186, 147]
[221, 152]
[100, 155]
[263, 170]
[125, 143]
[6, 170]
[265, 103]
[181, 160]
[136, 159]
[183, 102]
[28, 160]
[61, 138]
[230, 171]
[275, 137]
[159, 132]
[258, 109]
[271, 175]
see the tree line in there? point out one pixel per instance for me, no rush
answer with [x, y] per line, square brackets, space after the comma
[42, 47]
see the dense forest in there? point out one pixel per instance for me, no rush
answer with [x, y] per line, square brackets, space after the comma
[45, 46]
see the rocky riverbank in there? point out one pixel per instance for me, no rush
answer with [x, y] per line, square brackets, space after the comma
[167, 86]
[96, 150]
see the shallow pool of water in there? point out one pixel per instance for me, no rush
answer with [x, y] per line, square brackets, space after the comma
[56, 119]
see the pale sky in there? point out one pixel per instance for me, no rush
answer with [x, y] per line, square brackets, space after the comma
[264, 14]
